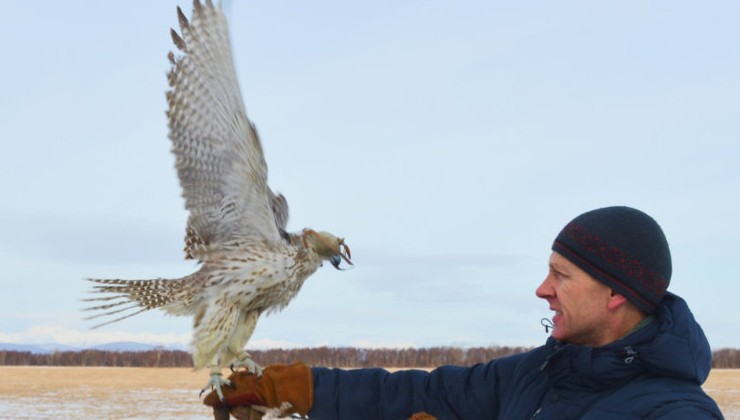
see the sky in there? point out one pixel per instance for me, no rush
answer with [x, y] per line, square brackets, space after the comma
[448, 142]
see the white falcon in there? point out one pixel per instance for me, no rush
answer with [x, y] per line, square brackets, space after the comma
[236, 226]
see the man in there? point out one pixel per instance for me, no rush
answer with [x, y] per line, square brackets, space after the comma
[621, 347]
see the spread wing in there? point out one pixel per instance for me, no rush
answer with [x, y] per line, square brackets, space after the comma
[218, 154]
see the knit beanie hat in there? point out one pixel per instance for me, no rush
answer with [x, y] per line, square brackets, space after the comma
[623, 248]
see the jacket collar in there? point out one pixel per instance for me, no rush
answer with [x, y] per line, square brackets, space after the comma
[672, 345]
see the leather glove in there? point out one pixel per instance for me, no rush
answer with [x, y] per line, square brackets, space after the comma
[279, 384]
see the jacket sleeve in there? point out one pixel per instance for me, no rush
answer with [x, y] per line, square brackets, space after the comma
[448, 392]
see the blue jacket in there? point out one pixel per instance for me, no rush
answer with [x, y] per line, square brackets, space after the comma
[654, 372]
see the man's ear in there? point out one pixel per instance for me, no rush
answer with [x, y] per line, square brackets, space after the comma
[616, 300]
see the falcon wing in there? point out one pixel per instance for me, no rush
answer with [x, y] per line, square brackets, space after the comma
[219, 157]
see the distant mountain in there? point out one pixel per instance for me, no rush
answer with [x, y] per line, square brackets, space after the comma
[37, 348]
[133, 346]
[119, 346]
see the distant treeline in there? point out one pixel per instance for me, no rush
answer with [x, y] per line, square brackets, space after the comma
[150, 358]
[315, 356]
[726, 359]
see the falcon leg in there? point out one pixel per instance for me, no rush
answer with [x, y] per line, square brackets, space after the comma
[238, 341]
[245, 360]
[216, 380]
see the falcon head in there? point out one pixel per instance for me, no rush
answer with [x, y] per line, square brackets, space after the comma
[328, 247]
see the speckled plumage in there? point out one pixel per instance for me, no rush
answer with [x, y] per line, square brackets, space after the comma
[236, 225]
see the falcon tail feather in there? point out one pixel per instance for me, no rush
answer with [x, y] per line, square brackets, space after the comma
[122, 296]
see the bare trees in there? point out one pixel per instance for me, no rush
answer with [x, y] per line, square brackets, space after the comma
[345, 357]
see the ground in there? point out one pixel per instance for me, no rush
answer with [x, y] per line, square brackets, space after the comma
[169, 393]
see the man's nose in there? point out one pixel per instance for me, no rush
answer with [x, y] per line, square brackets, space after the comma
[545, 289]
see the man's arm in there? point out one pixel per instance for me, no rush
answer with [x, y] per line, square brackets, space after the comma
[446, 392]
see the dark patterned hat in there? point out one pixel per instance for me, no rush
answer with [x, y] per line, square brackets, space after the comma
[623, 248]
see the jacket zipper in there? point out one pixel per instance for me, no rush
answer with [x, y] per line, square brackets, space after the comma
[557, 349]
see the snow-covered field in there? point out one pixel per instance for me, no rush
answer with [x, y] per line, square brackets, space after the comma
[163, 393]
[98, 392]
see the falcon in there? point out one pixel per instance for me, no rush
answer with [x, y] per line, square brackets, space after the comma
[248, 264]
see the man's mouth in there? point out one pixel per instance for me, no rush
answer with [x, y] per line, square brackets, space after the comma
[557, 317]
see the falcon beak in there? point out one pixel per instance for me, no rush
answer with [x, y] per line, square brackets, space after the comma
[335, 260]
[344, 254]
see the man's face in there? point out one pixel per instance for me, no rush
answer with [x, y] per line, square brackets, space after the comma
[579, 302]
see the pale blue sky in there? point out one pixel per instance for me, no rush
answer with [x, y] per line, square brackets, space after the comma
[448, 142]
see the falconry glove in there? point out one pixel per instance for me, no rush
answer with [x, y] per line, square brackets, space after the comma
[288, 388]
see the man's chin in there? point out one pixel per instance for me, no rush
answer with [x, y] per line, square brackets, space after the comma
[558, 333]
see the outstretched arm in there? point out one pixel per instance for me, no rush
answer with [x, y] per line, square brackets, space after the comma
[446, 392]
